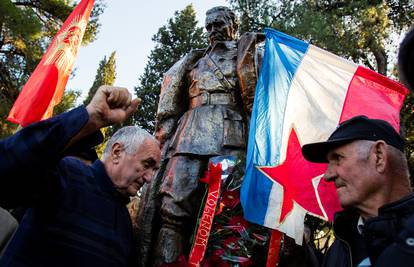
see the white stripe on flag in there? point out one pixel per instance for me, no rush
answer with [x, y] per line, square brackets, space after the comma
[316, 96]
[315, 102]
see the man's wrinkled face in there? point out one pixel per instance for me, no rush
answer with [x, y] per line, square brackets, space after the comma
[219, 28]
[138, 168]
[351, 168]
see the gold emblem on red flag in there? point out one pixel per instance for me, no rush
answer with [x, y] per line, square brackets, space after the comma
[64, 48]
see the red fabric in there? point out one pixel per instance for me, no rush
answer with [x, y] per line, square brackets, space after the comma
[370, 94]
[300, 189]
[46, 85]
[375, 96]
[274, 249]
[203, 232]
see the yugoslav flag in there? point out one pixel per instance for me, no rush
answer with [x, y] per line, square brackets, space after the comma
[302, 94]
[46, 85]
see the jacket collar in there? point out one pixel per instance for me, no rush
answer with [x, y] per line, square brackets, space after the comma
[105, 182]
[348, 219]
[403, 206]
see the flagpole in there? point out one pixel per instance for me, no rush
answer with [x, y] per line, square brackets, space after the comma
[273, 254]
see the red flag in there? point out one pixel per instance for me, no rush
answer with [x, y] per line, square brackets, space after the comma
[46, 85]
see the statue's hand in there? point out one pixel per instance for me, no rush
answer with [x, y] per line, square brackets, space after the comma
[163, 132]
[111, 105]
[161, 136]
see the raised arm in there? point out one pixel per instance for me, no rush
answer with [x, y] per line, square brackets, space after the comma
[26, 156]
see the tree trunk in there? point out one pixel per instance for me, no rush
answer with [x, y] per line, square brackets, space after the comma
[381, 59]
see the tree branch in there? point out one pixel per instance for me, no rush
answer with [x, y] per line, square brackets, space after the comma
[367, 63]
[381, 59]
[28, 4]
[245, 9]
[42, 14]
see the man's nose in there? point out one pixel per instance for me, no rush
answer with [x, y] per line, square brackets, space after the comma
[330, 173]
[148, 175]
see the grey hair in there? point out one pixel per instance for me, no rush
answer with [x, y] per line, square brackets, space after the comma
[398, 165]
[131, 137]
[227, 12]
[364, 147]
[398, 162]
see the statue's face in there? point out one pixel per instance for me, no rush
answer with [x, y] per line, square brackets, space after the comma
[219, 28]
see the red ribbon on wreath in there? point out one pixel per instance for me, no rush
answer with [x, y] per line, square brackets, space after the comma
[213, 179]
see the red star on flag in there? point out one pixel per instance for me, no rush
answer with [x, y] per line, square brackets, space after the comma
[295, 175]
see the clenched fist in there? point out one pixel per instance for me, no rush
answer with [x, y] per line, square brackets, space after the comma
[111, 105]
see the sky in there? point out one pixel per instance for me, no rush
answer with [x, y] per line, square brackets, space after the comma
[127, 28]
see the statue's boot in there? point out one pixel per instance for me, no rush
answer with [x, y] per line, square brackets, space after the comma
[168, 247]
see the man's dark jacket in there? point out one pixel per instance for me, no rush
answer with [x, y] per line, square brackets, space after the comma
[388, 238]
[76, 217]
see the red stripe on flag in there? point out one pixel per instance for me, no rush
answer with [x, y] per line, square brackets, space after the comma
[375, 96]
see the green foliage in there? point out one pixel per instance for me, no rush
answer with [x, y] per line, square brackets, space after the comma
[173, 41]
[363, 31]
[101, 147]
[105, 75]
[321, 232]
[26, 29]
[67, 102]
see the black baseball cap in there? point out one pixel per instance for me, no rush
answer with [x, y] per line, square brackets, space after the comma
[356, 128]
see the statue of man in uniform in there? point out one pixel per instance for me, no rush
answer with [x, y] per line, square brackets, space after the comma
[202, 112]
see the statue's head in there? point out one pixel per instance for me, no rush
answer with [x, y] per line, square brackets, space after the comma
[221, 24]
[406, 60]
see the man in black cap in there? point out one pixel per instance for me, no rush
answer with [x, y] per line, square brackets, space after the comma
[366, 162]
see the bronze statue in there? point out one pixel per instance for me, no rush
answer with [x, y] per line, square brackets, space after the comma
[203, 111]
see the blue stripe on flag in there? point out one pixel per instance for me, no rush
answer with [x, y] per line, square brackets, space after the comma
[282, 57]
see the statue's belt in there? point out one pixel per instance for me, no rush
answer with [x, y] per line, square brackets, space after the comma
[215, 98]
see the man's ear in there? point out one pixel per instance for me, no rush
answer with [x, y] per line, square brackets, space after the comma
[116, 151]
[381, 157]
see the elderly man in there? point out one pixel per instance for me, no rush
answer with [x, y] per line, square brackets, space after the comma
[77, 213]
[201, 113]
[367, 164]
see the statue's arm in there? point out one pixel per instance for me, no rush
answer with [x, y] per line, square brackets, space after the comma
[249, 59]
[173, 101]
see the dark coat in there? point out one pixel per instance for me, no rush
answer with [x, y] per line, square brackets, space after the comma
[76, 217]
[388, 238]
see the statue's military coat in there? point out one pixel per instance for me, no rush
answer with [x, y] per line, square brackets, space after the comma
[187, 125]
[208, 129]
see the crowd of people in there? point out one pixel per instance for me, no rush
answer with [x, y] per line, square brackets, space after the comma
[75, 211]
